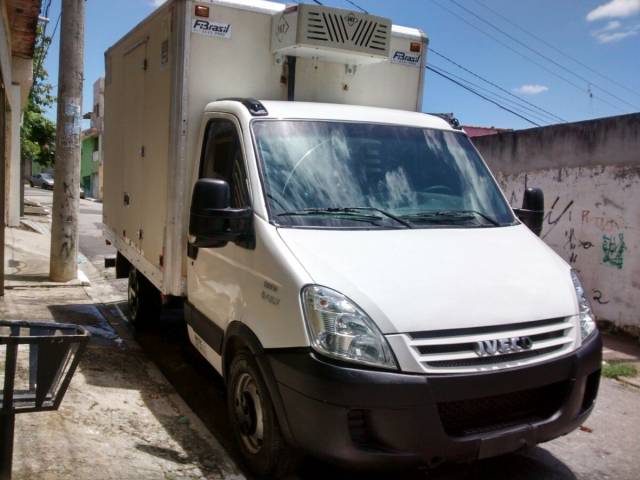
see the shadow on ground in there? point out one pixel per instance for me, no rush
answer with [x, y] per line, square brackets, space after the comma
[110, 364]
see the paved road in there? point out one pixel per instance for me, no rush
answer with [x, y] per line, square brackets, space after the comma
[609, 448]
[92, 243]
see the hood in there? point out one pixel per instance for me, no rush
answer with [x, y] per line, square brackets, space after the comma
[432, 279]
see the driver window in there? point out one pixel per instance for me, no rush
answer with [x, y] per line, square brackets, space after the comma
[222, 159]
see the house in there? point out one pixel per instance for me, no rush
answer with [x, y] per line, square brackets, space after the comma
[17, 44]
[18, 25]
[474, 131]
[91, 163]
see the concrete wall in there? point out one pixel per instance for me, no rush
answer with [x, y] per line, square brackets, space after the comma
[590, 174]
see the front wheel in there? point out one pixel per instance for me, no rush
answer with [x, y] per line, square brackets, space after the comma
[254, 421]
[143, 299]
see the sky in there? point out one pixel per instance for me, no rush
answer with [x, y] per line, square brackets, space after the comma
[573, 59]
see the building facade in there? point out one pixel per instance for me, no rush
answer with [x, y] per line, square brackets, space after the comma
[91, 164]
[18, 26]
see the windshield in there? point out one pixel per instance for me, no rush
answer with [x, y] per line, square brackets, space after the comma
[359, 175]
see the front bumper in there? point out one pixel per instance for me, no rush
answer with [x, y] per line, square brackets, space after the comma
[365, 418]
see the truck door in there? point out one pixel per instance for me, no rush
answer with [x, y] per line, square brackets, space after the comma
[216, 275]
[134, 140]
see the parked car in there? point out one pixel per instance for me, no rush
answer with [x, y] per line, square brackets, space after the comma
[42, 180]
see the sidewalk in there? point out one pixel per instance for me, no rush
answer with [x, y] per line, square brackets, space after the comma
[120, 418]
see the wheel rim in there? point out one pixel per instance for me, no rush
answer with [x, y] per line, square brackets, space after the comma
[248, 411]
[132, 295]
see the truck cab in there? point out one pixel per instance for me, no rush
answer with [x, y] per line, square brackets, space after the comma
[361, 282]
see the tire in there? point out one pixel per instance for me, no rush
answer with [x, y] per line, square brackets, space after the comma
[143, 300]
[250, 406]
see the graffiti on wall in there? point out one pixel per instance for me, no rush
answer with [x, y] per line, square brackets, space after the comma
[573, 245]
[556, 212]
[601, 222]
[613, 250]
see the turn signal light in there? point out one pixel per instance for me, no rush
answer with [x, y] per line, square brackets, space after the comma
[202, 11]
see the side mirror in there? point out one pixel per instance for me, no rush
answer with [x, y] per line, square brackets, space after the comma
[532, 211]
[213, 222]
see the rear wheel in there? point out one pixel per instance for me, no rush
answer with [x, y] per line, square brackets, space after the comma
[143, 299]
[254, 421]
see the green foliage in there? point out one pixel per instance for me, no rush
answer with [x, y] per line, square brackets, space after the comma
[615, 370]
[38, 133]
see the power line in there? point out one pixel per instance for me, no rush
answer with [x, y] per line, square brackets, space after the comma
[502, 89]
[444, 75]
[45, 10]
[357, 6]
[55, 29]
[517, 52]
[428, 67]
[497, 97]
[43, 39]
[540, 54]
[553, 47]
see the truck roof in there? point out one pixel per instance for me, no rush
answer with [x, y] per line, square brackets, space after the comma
[351, 113]
[265, 6]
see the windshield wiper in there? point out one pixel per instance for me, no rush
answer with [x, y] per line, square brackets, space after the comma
[450, 214]
[350, 211]
[353, 215]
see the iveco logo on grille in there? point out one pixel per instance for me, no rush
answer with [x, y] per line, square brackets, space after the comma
[487, 348]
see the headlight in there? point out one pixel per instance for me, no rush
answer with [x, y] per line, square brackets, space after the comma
[340, 329]
[586, 316]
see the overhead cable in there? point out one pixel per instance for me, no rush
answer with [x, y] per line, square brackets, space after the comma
[542, 55]
[499, 105]
[502, 89]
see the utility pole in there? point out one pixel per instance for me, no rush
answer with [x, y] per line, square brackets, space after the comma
[66, 191]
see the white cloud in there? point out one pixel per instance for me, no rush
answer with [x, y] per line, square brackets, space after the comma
[531, 89]
[612, 25]
[156, 3]
[614, 9]
[608, 36]
[615, 30]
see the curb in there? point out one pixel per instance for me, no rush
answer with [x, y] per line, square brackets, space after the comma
[631, 381]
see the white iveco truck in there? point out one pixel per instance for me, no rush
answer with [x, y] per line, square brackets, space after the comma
[348, 265]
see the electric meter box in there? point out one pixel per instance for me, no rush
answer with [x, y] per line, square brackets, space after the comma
[330, 34]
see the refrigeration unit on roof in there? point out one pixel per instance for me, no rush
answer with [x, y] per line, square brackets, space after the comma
[330, 34]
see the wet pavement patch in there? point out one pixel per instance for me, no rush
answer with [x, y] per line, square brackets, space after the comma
[89, 317]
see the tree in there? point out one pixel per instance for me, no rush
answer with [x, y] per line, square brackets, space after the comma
[38, 133]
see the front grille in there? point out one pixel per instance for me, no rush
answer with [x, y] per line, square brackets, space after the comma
[457, 350]
[473, 362]
[478, 415]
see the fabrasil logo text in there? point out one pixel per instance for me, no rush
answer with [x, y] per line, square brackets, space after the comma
[217, 28]
[406, 58]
